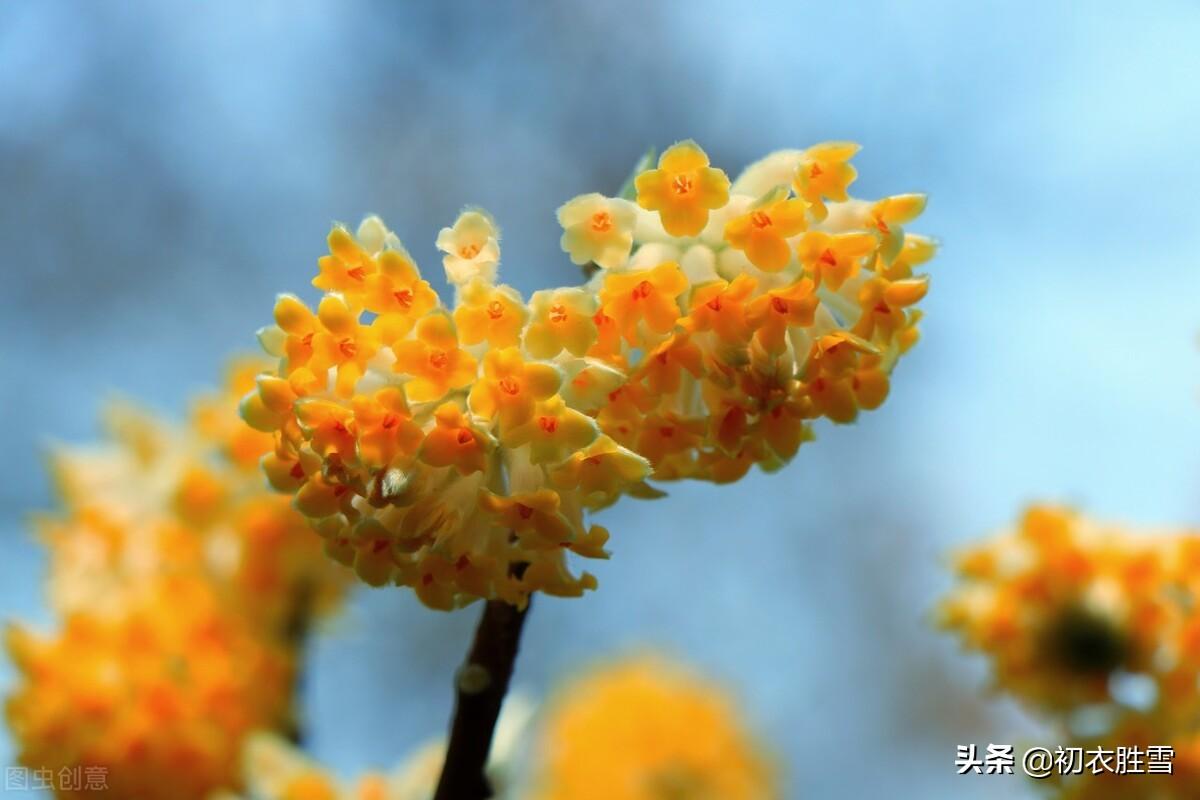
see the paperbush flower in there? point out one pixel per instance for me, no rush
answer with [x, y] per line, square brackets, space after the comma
[1069, 611]
[158, 499]
[724, 319]
[160, 693]
[645, 729]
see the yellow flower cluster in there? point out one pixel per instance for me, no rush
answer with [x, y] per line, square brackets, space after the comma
[1096, 626]
[157, 499]
[184, 583]
[456, 450]
[645, 729]
[160, 696]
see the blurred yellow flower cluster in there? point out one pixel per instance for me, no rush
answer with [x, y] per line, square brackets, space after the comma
[158, 696]
[184, 584]
[457, 450]
[642, 728]
[1097, 627]
[647, 729]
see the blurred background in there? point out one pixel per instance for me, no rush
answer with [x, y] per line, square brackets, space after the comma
[167, 168]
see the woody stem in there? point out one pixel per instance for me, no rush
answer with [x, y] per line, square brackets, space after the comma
[480, 686]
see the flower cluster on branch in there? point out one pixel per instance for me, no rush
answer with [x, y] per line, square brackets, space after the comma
[439, 447]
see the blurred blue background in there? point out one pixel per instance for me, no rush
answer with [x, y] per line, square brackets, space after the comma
[168, 167]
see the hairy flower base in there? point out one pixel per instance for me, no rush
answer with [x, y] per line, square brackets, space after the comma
[442, 448]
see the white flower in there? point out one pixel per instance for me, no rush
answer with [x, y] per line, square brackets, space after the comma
[472, 248]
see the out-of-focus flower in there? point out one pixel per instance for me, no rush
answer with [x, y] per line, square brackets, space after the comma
[597, 229]
[159, 694]
[645, 729]
[723, 324]
[1071, 613]
[158, 499]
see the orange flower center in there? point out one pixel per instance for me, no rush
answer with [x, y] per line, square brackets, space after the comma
[357, 273]
[296, 471]
[642, 290]
[495, 309]
[348, 348]
[829, 258]
[525, 511]
[469, 250]
[760, 219]
[681, 185]
[306, 340]
[549, 424]
[465, 437]
[509, 386]
[438, 359]
[779, 304]
[390, 421]
[558, 313]
[602, 222]
[715, 303]
[666, 431]
[816, 171]
[404, 297]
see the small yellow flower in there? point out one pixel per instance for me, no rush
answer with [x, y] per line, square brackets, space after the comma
[347, 267]
[886, 217]
[492, 314]
[535, 517]
[683, 189]
[824, 173]
[472, 248]
[645, 728]
[385, 428]
[844, 375]
[648, 296]
[511, 387]
[397, 294]
[763, 232]
[602, 471]
[563, 319]
[773, 314]
[720, 307]
[833, 259]
[433, 362]
[597, 229]
[343, 343]
[554, 432]
[455, 442]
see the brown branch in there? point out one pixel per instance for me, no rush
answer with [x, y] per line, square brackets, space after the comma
[480, 686]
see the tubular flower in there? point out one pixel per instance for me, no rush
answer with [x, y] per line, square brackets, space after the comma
[597, 229]
[1069, 610]
[563, 319]
[825, 173]
[683, 190]
[645, 729]
[160, 695]
[492, 314]
[707, 344]
[472, 248]
[763, 233]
